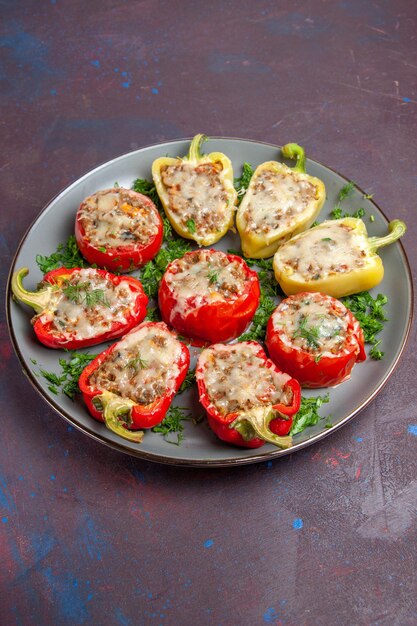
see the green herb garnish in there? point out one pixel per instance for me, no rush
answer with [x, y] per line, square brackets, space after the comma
[66, 255]
[80, 293]
[344, 193]
[153, 271]
[190, 224]
[264, 311]
[172, 424]
[138, 363]
[213, 276]
[311, 334]
[67, 381]
[242, 182]
[188, 381]
[308, 415]
[371, 316]
[147, 188]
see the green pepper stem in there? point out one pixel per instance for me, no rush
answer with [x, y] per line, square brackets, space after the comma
[294, 151]
[396, 229]
[114, 407]
[194, 153]
[259, 418]
[38, 300]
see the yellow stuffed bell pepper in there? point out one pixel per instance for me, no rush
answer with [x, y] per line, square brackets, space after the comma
[197, 193]
[336, 258]
[280, 202]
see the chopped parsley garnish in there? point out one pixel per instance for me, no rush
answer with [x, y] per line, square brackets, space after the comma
[147, 188]
[67, 381]
[172, 424]
[81, 294]
[310, 333]
[213, 276]
[344, 193]
[308, 415]
[153, 315]
[260, 319]
[66, 255]
[188, 381]
[153, 271]
[371, 316]
[242, 182]
[138, 363]
[190, 224]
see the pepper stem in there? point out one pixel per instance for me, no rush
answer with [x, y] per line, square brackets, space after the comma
[116, 412]
[259, 418]
[396, 229]
[38, 300]
[194, 153]
[294, 151]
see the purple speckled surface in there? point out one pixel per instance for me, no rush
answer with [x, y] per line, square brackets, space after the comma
[90, 536]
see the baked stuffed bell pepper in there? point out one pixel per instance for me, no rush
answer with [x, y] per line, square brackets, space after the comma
[118, 229]
[336, 258]
[280, 202]
[208, 295]
[248, 399]
[315, 338]
[130, 386]
[197, 193]
[81, 307]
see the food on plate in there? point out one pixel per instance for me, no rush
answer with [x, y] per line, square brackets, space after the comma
[336, 257]
[118, 229]
[130, 386]
[81, 307]
[280, 202]
[197, 193]
[315, 338]
[247, 398]
[209, 295]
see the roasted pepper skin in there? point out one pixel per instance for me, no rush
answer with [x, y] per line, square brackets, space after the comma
[122, 258]
[140, 416]
[237, 428]
[196, 158]
[339, 283]
[213, 320]
[260, 245]
[49, 336]
[319, 369]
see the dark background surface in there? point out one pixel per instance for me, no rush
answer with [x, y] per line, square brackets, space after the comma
[90, 536]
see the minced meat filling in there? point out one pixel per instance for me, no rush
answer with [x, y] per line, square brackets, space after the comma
[142, 367]
[276, 199]
[197, 196]
[118, 217]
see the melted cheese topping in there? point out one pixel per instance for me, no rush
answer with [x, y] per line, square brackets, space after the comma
[117, 218]
[197, 197]
[142, 368]
[204, 276]
[237, 379]
[87, 304]
[277, 199]
[330, 248]
[312, 322]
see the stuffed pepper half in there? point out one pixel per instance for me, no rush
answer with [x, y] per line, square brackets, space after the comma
[197, 193]
[82, 307]
[336, 257]
[247, 398]
[280, 202]
[131, 385]
[315, 338]
[118, 229]
[209, 295]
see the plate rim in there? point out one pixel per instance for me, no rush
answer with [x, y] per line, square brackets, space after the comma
[202, 463]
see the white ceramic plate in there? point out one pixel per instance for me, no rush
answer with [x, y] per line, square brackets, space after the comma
[200, 447]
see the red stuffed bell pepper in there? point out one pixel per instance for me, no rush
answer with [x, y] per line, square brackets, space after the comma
[81, 307]
[118, 229]
[315, 338]
[130, 385]
[208, 295]
[248, 400]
